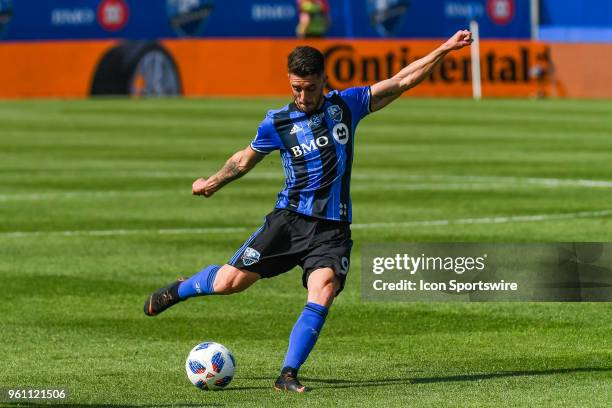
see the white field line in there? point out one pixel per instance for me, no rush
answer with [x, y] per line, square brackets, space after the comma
[84, 194]
[362, 176]
[440, 182]
[117, 232]
[488, 220]
[367, 226]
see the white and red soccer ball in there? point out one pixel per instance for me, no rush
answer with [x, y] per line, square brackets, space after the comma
[210, 366]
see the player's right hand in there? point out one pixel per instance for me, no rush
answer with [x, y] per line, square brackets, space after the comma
[462, 38]
[200, 187]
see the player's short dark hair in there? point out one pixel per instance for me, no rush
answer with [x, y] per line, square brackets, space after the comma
[304, 61]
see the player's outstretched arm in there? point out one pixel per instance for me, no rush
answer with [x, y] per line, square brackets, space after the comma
[235, 167]
[387, 91]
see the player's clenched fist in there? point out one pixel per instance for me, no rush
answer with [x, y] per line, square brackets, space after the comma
[200, 187]
[461, 39]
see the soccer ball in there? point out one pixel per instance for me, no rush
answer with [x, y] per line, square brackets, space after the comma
[210, 366]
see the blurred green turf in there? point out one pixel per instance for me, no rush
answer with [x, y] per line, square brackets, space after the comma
[71, 313]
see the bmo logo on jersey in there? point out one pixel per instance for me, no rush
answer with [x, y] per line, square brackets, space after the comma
[314, 144]
[340, 132]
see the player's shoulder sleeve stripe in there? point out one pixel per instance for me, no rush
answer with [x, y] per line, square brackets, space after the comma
[258, 150]
[369, 99]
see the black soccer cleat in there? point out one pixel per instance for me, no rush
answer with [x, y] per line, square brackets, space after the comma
[163, 298]
[288, 381]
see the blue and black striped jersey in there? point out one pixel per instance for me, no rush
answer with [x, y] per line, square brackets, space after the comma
[316, 151]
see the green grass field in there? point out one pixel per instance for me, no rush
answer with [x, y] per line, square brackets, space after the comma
[96, 212]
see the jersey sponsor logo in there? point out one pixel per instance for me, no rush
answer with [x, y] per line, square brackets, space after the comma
[295, 129]
[250, 256]
[314, 144]
[335, 112]
[341, 133]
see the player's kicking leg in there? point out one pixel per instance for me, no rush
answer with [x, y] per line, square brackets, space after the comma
[322, 287]
[212, 280]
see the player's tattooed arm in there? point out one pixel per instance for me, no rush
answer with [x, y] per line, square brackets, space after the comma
[385, 92]
[235, 167]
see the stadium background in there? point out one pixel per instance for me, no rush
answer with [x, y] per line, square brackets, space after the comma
[96, 208]
[195, 48]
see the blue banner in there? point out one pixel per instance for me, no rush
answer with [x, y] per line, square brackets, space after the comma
[432, 18]
[572, 21]
[571, 13]
[153, 19]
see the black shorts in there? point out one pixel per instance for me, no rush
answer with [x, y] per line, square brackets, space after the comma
[288, 239]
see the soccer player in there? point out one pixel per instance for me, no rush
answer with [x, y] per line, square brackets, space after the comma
[310, 224]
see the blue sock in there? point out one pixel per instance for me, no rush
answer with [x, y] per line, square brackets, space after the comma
[200, 284]
[304, 334]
